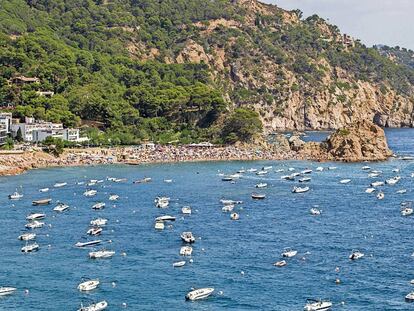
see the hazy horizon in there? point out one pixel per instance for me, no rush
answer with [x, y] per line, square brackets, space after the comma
[374, 22]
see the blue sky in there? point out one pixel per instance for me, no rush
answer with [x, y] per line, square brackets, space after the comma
[388, 22]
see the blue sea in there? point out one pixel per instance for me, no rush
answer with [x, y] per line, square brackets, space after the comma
[234, 257]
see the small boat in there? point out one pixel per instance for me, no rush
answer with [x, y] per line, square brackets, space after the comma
[234, 216]
[258, 196]
[365, 168]
[315, 212]
[44, 190]
[226, 178]
[281, 263]
[228, 208]
[319, 169]
[402, 191]
[179, 264]
[407, 211]
[291, 169]
[88, 285]
[267, 168]
[396, 170]
[165, 218]
[373, 175]
[380, 196]
[61, 207]
[241, 171]
[187, 237]
[356, 255]
[252, 170]
[101, 254]
[230, 202]
[94, 231]
[15, 196]
[118, 180]
[162, 202]
[261, 185]
[99, 205]
[288, 177]
[407, 158]
[30, 248]
[113, 197]
[7, 291]
[300, 189]
[393, 181]
[317, 305]
[186, 210]
[332, 168]
[289, 253]
[143, 180]
[159, 225]
[279, 170]
[261, 173]
[306, 172]
[305, 179]
[168, 181]
[186, 251]
[410, 297]
[60, 184]
[89, 243]
[34, 225]
[42, 202]
[370, 190]
[27, 236]
[345, 181]
[200, 293]
[377, 184]
[35, 216]
[99, 222]
[102, 305]
[90, 193]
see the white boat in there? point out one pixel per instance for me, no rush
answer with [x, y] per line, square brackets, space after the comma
[317, 305]
[396, 170]
[345, 181]
[377, 184]
[102, 305]
[179, 264]
[159, 225]
[319, 169]
[27, 236]
[113, 197]
[279, 170]
[186, 210]
[306, 172]
[370, 190]
[280, 263]
[168, 181]
[380, 195]
[61, 207]
[88, 243]
[90, 193]
[227, 208]
[35, 216]
[261, 185]
[30, 248]
[88, 285]
[34, 225]
[410, 297]
[99, 222]
[291, 169]
[407, 211]
[44, 190]
[356, 255]
[332, 168]
[186, 251]
[287, 177]
[162, 202]
[402, 191]
[230, 202]
[305, 179]
[300, 189]
[187, 237]
[373, 175]
[99, 205]
[200, 293]
[7, 290]
[118, 180]
[315, 212]
[393, 181]
[234, 216]
[60, 184]
[261, 173]
[15, 196]
[143, 180]
[165, 218]
[94, 231]
[365, 168]
[258, 196]
[267, 168]
[101, 254]
[289, 253]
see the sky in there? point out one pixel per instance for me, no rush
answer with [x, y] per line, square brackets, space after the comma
[389, 22]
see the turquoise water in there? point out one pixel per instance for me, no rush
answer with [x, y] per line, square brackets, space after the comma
[144, 279]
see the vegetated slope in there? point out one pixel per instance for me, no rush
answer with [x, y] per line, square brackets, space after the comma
[175, 70]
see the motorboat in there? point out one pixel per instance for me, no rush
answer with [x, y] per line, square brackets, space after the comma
[42, 202]
[345, 181]
[280, 263]
[35, 216]
[332, 168]
[267, 168]
[279, 170]
[288, 177]
[396, 170]
[88, 285]
[226, 178]
[61, 207]
[300, 189]
[165, 218]
[230, 202]
[113, 197]
[319, 169]
[234, 216]
[295, 174]
[258, 196]
[44, 190]
[402, 191]
[102, 305]
[407, 158]
[291, 169]
[99, 205]
[307, 171]
[380, 195]
[99, 222]
[186, 210]
[168, 181]
[30, 248]
[88, 243]
[370, 190]
[315, 212]
[227, 208]
[261, 185]
[261, 173]
[7, 290]
[34, 225]
[407, 211]
[186, 251]
[187, 237]
[377, 184]
[159, 225]
[393, 181]
[27, 236]
[179, 264]
[15, 196]
[94, 231]
[118, 180]
[305, 179]
[162, 202]
[252, 170]
[289, 253]
[317, 305]
[90, 193]
[373, 175]
[242, 171]
[365, 168]
[143, 180]
[60, 184]
[356, 255]
[200, 293]
[101, 254]
[410, 297]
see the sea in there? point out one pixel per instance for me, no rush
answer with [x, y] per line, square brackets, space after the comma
[234, 257]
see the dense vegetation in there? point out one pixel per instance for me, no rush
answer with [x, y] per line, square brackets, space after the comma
[400, 55]
[94, 56]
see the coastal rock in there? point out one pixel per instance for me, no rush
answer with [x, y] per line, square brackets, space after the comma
[296, 143]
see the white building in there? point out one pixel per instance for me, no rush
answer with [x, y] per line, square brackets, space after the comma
[5, 126]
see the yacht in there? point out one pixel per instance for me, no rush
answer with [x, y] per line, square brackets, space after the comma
[90, 193]
[234, 216]
[288, 253]
[179, 264]
[94, 231]
[35, 216]
[113, 197]
[317, 305]
[44, 190]
[186, 251]
[258, 196]
[88, 243]
[380, 196]
[7, 290]
[61, 207]
[27, 236]
[99, 222]
[101, 254]
[345, 181]
[88, 285]
[315, 212]
[407, 211]
[102, 305]
[30, 248]
[165, 218]
[281, 263]
[300, 190]
[159, 225]
[410, 297]
[370, 190]
[201, 293]
[377, 184]
[187, 237]
[261, 185]
[15, 196]
[99, 205]
[42, 202]
[60, 184]
[186, 210]
[34, 225]
[356, 255]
